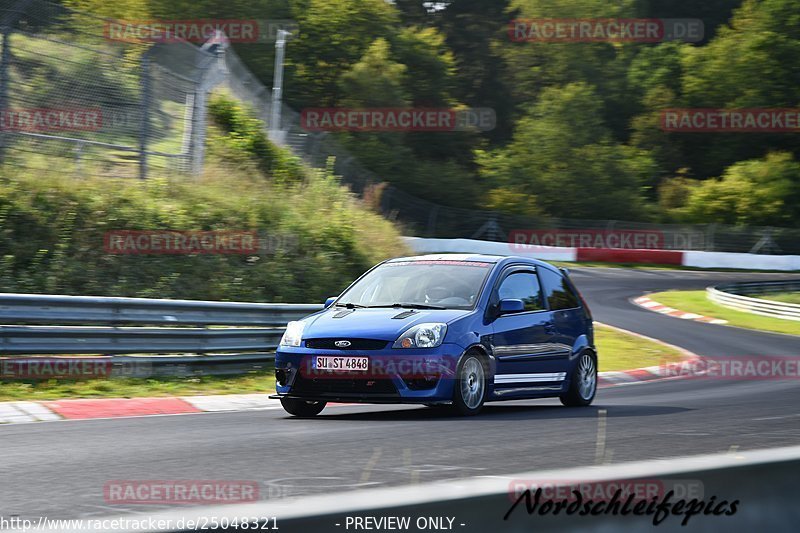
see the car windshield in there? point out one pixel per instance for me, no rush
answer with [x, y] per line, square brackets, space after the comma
[424, 284]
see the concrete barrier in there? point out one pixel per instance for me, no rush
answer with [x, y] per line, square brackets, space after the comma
[609, 255]
[545, 253]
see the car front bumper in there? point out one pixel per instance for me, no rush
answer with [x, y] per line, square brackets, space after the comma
[394, 375]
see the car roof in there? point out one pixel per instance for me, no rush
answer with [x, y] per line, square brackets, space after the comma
[481, 258]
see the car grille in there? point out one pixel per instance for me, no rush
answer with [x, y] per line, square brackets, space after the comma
[355, 344]
[325, 385]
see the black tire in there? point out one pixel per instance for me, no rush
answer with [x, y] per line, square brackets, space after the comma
[469, 391]
[582, 387]
[302, 408]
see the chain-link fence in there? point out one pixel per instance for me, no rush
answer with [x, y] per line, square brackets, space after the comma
[318, 149]
[76, 100]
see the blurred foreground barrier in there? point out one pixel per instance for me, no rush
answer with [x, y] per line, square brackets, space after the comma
[762, 483]
[739, 296]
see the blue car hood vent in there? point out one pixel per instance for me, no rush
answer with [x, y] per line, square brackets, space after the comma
[343, 312]
[376, 323]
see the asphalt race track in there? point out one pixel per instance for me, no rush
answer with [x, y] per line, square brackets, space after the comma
[58, 469]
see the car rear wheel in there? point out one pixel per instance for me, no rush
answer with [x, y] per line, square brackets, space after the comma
[583, 384]
[302, 408]
[470, 388]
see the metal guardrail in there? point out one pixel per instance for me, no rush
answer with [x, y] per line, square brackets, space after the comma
[103, 325]
[739, 296]
[83, 340]
[91, 310]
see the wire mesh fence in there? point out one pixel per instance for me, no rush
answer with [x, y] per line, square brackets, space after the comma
[74, 100]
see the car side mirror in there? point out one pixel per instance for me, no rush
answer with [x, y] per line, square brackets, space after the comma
[510, 305]
[329, 302]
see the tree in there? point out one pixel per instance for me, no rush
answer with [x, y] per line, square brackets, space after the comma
[333, 35]
[563, 153]
[756, 192]
[420, 162]
[375, 80]
[751, 63]
[474, 31]
[536, 66]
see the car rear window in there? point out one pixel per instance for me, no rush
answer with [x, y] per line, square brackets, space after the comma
[557, 292]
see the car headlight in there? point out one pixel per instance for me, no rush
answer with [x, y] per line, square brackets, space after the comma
[293, 334]
[429, 335]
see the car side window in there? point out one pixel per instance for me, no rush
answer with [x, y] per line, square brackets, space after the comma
[557, 292]
[522, 286]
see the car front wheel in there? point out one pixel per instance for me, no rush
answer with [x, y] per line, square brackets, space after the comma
[302, 408]
[470, 388]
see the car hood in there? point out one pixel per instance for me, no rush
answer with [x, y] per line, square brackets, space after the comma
[383, 324]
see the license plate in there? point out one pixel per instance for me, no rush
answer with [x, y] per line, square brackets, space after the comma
[334, 362]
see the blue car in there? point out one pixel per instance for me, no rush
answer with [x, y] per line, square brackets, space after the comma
[443, 330]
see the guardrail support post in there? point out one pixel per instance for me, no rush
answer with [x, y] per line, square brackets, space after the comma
[212, 72]
[144, 109]
[5, 60]
[12, 15]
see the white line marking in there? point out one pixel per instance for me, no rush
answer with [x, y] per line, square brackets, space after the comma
[600, 449]
[376, 455]
[777, 417]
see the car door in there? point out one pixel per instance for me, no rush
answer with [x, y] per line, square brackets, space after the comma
[524, 343]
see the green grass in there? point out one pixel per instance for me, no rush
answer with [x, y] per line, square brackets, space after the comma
[621, 351]
[787, 297]
[56, 389]
[696, 302]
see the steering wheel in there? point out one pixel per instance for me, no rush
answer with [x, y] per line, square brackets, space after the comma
[435, 294]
